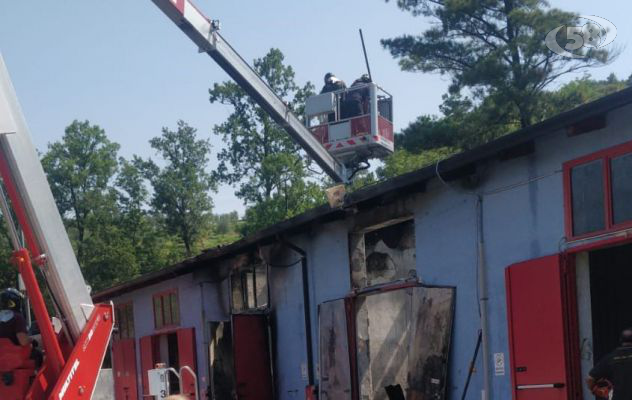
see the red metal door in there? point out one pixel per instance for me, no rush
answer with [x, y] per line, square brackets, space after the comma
[124, 369]
[147, 361]
[538, 330]
[253, 372]
[187, 356]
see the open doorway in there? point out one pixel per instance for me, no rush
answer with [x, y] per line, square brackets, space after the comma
[221, 361]
[611, 297]
[174, 349]
[604, 301]
[168, 355]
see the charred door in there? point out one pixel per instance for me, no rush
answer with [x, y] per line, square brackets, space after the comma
[335, 369]
[389, 339]
[403, 340]
[253, 371]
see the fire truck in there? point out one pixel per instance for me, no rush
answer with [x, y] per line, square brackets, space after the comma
[74, 348]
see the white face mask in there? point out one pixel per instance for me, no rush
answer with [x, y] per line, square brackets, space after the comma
[6, 315]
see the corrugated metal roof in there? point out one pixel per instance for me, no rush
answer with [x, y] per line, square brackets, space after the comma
[410, 182]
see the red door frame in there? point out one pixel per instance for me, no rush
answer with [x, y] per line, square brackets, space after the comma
[569, 290]
[187, 353]
[570, 259]
[606, 156]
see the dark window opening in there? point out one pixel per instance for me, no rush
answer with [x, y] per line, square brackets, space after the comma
[621, 171]
[588, 198]
[249, 287]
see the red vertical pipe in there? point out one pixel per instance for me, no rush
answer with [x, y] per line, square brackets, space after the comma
[54, 357]
[18, 207]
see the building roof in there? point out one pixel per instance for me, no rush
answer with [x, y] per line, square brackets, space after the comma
[512, 145]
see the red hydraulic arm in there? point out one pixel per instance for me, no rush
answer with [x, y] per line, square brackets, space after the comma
[69, 371]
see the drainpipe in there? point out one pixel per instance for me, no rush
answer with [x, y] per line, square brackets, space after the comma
[483, 299]
[306, 312]
[210, 385]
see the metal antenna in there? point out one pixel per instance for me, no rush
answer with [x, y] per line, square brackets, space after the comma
[366, 58]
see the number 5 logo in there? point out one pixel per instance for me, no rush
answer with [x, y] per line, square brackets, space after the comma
[598, 32]
[574, 34]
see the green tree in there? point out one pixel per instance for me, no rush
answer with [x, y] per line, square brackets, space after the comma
[8, 271]
[402, 161]
[272, 173]
[109, 256]
[151, 244]
[577, 92]
[464, 125]
[181, 188]
[80, 168]
[294, 194]
[493, 48]
[226, 223]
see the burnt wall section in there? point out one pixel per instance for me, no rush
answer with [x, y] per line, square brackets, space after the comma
[335, 371]
[403, 338]
[383, 254]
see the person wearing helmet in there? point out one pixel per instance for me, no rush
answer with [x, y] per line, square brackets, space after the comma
[332, 84]
[357, 98]
[613, 372]
[12, 323]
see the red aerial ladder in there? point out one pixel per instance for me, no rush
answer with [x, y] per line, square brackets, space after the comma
[74, 353]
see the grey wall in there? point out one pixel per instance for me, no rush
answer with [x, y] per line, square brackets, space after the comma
[523, 218]
[328, 278]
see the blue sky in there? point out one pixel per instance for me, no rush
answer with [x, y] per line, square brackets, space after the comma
[124, 66]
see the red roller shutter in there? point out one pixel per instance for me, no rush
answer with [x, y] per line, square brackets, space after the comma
[540, 339]
[187, 356]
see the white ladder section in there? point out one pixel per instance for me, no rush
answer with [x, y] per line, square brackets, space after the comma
[61, 268]
[203, 32]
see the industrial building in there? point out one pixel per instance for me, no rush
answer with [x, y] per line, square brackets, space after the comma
[526, 239]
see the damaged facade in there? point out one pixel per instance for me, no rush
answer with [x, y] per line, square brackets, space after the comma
[527, 239]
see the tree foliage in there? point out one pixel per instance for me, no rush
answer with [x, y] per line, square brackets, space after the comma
[494, 48]
[403, 161]
[181, 188]
[464, 125]
[269, 168]
[79, 169]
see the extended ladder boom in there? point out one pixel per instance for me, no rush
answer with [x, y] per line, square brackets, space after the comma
[36, 211]
[203, 32]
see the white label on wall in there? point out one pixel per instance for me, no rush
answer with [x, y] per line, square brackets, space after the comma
[304, 371]
[499, 364]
